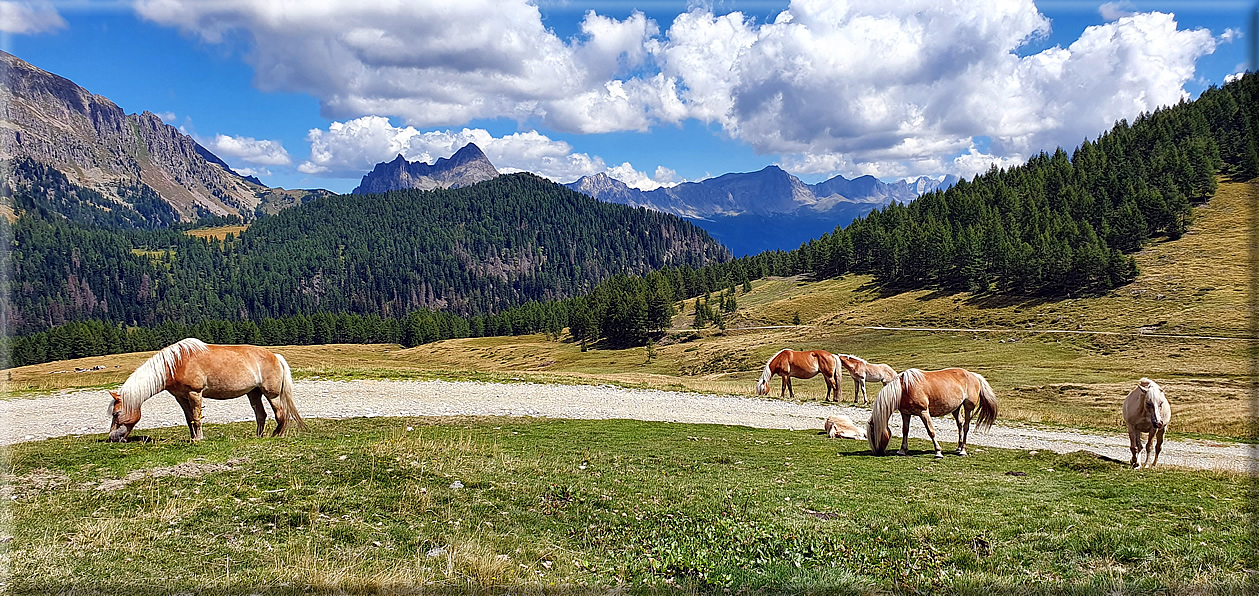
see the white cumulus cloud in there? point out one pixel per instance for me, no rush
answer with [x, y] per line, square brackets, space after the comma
[29, 17]
[258, 152]
[869, 86]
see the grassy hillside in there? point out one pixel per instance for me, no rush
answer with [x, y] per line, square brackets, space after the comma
[1197, 285]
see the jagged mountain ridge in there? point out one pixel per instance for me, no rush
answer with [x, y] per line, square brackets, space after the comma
[769, 209]
[51, 120]
[770, 191]
[466, 167]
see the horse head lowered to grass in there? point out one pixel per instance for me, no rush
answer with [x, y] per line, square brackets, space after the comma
[801, 365]
[927, 394]
[1146, 410]
[192, 370]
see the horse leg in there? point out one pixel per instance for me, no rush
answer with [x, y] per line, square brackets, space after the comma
[904, 434]
[1134, 443]
[931, 431]
[790, 391]
[260, 411]
[961, 434]
[194, 398]
[1149, 446]
[858, 384]
[786, 383]
[1158, 447]
[187, 408]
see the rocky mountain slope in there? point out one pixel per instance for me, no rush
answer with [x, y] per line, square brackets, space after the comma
[466, 167]
[53, 121]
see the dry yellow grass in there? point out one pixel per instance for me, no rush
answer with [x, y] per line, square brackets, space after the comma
[218, 233]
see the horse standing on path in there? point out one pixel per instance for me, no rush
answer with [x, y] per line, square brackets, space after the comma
[191, 370]
[861, 371]
[801, 365]
[1146, 410]
[928, 394]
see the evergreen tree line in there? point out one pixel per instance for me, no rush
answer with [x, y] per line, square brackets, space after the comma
[1058, 225]
[476, 250]
[620, 312]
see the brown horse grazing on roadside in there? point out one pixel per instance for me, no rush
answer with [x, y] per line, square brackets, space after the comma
[927, 394]
[1146, 410]
[801, 365]
[192, 370]
[862, 371]
[842, 426]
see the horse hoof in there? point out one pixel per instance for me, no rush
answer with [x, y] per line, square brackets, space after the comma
[901, 452]
[961, 453]
[939, 455]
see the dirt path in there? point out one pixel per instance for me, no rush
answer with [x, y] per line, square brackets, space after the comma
[83, 412]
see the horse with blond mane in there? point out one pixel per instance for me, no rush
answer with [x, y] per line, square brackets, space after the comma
[192, 370]
[861, 371]
[801, 365]
[1146, 410]
[928, 394]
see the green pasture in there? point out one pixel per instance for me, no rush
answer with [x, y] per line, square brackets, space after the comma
[556, 506]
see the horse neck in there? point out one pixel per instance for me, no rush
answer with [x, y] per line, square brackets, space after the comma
[153, 376]
[768, 372]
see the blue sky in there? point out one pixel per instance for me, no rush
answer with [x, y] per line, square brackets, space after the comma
[311, 94]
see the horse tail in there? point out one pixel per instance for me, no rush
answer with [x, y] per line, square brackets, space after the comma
[837, 371]
[885, 403]
[987, 403]
[286, 395]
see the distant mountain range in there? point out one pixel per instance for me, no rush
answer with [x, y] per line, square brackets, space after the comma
[466, 167]
[52, 121]
[768, 209]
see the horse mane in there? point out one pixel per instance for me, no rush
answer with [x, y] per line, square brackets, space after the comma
[152, 376]
[852, 357]
[911, 376]
[885, 403]
[766, 374]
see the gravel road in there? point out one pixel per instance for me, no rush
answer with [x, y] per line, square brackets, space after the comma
[83, 412]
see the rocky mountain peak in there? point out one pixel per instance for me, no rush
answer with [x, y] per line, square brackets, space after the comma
[466, 167]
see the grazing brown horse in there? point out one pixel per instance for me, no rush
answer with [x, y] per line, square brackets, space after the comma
[861, 371]
[801, 365]
[1146, 410]
[192, 370]
[927, 394]
[842, 426]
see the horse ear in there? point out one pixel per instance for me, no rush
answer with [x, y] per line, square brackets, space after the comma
[115, 395]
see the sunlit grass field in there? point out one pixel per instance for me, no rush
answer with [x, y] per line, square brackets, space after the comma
[552, 506]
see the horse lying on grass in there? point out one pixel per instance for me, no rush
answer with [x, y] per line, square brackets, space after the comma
[862, 371]
[927, 394]
[1146, 410]
[192, 370]
[801, 365]
[842, 426]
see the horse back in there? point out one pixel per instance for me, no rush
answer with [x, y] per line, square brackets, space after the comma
[228, 371]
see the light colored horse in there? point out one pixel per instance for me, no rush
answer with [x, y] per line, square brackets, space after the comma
[862, 371]
[192, 370]
[842, 426]
[1146, 411]
[928, 394]
[801, 365]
